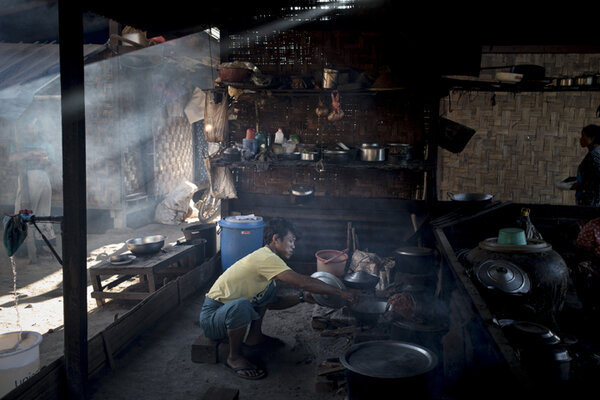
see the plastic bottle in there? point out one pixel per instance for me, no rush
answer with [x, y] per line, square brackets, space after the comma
[279, 138]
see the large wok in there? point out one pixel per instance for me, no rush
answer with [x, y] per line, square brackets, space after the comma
[146, 245]
[470, 197]
[360, 280]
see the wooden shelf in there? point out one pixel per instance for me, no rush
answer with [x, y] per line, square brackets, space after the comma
[494, 86]
[248, 88]
[411, 165]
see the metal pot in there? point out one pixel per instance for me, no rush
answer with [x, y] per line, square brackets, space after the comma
[308, 155]
[372, 152]
[564, 81]
[146, 245]
[232, 154]
[336, 156]
[584, 80]
[302, 194]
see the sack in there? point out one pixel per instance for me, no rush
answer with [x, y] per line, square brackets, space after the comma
[175, 207]
[194, 110]
[215, 118]
[374, 265]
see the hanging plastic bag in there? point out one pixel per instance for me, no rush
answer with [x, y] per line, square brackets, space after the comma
[215, 118]
[15, 232]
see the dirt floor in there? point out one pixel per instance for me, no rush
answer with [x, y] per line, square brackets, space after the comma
[158, 365]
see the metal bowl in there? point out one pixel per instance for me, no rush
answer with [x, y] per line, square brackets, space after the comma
[146, 245]
[368, 311]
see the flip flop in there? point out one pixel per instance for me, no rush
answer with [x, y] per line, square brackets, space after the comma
[238, 371]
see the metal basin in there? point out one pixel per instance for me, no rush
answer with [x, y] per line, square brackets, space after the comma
[146, 245]
[368, 311]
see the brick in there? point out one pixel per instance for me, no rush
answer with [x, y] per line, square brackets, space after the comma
[208, 351]
[221, 393]
[324, 385]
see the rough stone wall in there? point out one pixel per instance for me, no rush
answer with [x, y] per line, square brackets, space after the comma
[524, 142]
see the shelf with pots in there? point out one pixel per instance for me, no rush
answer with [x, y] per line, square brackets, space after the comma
[415, 165]
[559, 85]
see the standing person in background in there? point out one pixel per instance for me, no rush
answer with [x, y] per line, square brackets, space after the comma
[587, 185]
[33, 157]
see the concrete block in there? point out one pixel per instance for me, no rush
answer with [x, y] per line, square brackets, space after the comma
[205, 350]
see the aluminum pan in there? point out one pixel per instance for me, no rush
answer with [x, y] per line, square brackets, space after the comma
[389, 359]
[327, 300]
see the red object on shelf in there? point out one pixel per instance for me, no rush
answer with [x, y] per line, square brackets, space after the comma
[250, 133]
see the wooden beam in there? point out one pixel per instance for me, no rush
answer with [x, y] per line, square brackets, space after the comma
[70, 17]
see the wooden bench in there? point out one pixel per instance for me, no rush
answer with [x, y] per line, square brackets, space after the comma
[177, 259]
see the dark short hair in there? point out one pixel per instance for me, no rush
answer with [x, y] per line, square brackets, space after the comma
[278, 226]
[592, 131]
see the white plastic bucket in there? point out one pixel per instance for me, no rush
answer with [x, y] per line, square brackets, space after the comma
[18, 360]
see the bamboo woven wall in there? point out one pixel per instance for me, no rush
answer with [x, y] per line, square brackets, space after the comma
[524, 142]
[174, 149]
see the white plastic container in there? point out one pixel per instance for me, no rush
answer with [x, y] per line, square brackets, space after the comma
[18, 360]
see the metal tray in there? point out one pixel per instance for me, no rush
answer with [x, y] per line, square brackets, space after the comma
[327, 300]
[388, 359]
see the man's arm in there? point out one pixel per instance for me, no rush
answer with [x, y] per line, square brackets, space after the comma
[313, 285]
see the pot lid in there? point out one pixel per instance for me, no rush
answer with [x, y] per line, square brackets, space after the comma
[327, 300]
[414, 251]
[242, 221]
[388, 359]
[532, 246]
[530, 333]
[302, 190]
[503, 275]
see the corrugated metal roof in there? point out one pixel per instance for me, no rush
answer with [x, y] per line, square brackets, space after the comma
[24, 69]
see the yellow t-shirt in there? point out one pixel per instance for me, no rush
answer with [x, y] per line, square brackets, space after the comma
[248, 277]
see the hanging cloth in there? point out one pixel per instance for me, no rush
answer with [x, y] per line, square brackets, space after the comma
[15, 232]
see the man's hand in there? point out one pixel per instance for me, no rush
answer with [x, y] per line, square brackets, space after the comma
[308, 297]
[352, 297]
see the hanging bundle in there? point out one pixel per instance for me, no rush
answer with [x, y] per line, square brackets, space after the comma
[336, 111]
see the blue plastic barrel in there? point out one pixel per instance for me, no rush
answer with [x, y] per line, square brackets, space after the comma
[240, 236]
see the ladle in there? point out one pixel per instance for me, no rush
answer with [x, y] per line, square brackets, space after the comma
[336, 256]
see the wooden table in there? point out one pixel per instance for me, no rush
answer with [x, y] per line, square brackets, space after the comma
[178, 258]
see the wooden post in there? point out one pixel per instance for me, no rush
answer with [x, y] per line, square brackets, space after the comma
[70, 19]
